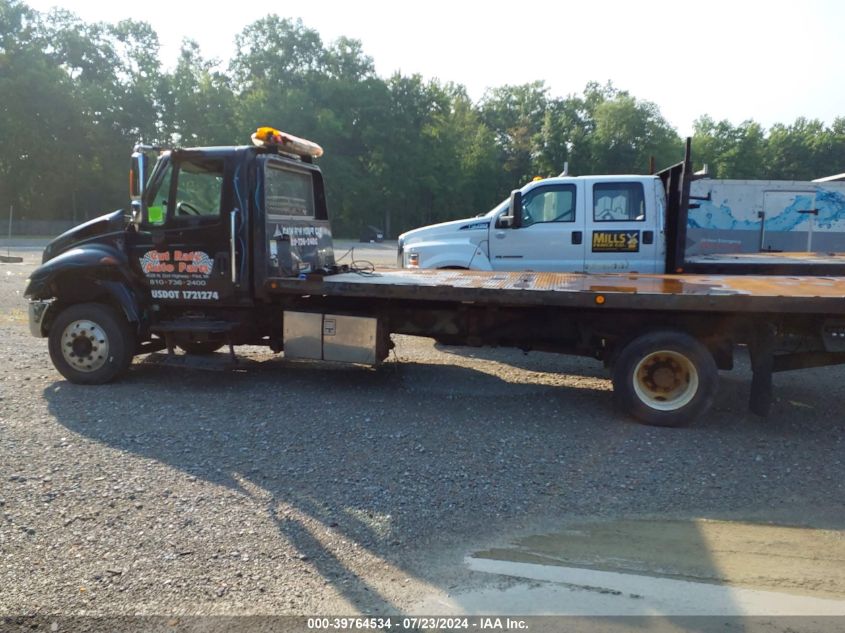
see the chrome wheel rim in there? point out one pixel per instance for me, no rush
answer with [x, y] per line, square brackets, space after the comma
[665, 380]
[85, 346]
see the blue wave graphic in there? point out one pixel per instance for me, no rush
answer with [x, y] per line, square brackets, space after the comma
[831, 206]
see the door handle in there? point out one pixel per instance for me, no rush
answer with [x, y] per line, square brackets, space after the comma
[648, 237]
[500, 235]
[221, 263]
[159, 240]
[233, 253]
[577, 237]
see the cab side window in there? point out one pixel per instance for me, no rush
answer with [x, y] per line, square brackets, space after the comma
[554, 203]
[618, 202]
[157, 196]
[199, 187]
[288, 193]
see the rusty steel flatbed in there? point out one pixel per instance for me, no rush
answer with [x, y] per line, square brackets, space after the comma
[711, 293]
[767, 263]
[771, 258]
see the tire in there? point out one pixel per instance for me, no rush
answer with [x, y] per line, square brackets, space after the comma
[664, 378]
[91, 344]
[200, 348]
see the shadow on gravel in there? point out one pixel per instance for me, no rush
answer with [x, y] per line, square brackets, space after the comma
[414, 458]
[531, 361]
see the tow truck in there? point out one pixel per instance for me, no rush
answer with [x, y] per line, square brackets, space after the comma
[233, 245]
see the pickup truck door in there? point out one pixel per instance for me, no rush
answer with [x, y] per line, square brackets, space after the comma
[621, 221]
[551, 237]
[182, 249]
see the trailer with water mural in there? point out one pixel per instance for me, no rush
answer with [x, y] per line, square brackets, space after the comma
[750, 216]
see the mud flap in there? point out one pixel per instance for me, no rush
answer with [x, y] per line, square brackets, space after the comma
[762, 351]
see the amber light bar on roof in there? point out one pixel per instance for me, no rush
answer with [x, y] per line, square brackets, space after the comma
[266, 136]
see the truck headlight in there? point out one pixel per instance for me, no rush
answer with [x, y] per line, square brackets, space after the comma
[413, 260]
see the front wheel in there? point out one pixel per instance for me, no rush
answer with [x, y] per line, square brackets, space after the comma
[90, 344]
[664, 379]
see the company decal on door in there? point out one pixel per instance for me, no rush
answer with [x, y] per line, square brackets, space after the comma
[616, 241]
[177, 274]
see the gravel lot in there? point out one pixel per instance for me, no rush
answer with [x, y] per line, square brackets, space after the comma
[290, 487]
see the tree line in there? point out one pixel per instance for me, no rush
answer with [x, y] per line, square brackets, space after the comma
[405, 150]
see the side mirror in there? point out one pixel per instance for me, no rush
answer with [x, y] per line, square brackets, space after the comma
[504, 222]
[515, 209]
[135, 205]
[137, 175]
[137, 178]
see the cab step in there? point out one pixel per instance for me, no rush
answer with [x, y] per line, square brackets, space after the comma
[193, 325]
[213, 362]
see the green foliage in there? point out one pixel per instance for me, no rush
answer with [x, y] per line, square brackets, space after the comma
[401, 151]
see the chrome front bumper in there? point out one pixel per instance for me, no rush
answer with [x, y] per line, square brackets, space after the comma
[37, 312]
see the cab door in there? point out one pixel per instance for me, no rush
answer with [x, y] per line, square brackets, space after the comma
[551, 237]
[184, 249]
[621, 225]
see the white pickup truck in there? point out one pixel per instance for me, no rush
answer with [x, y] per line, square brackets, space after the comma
[600, 224]
[583, 223]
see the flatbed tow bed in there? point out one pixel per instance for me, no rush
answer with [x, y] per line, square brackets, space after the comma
[765, 263]
[710, 293]
[638, 325]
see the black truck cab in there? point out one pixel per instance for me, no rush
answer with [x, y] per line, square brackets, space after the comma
[188, 265]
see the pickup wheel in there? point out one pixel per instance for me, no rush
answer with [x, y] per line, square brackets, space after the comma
[200, 348]
[90, 344]
[664, 379]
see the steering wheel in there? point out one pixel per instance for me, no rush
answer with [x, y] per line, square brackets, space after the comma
[607, 214]
[185, 208]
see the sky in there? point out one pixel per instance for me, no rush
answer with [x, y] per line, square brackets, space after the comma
[767, 61]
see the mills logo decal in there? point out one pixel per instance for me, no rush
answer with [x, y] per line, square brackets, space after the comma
[178, 262]
[616, 241]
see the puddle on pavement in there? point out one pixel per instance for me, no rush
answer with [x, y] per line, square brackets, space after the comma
[696, 567]
[788, 559]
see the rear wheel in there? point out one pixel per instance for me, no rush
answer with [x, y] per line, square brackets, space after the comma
[664, 378]
[91, 344]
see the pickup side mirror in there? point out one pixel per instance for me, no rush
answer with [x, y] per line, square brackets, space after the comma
[515, 209]
[504, 222]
